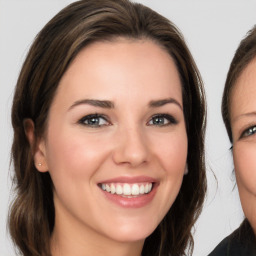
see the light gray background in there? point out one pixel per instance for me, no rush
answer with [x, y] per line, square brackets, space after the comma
[212, 29]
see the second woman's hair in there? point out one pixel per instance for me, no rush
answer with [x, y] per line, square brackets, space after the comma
[245, 52]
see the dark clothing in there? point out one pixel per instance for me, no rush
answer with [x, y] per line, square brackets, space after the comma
[241, 242]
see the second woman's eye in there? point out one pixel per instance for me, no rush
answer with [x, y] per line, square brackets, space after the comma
[162, 120]
[94, 120]
[248, 132]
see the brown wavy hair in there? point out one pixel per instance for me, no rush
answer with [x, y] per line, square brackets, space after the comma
[31, 219]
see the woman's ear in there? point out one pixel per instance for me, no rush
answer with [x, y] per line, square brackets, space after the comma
[37, 146]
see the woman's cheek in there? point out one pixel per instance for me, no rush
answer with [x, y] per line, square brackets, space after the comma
[245, 166]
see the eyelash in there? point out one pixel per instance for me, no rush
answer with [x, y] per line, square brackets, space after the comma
[248, 132]
[89, 118]
[170, 120]
[95, 119]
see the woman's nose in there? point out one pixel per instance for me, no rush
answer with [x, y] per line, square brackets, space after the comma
[131, 147]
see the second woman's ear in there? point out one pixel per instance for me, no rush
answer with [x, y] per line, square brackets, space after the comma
[37, 146]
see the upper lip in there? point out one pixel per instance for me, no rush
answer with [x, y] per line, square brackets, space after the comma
[129, 179]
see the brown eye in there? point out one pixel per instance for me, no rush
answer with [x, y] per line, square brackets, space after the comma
[248, 132]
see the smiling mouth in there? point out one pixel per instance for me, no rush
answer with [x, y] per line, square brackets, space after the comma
[127, 189]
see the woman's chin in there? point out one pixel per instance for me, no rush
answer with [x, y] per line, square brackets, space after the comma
[131, 235]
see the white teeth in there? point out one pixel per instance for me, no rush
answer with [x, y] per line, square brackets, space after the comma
[126, 189]
[119, 190]
[113, 189]
[142, 189]
[135, 190]
[108, 188]
[146, 189]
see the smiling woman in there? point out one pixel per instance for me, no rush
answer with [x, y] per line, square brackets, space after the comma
[107, 114]
[239, 115]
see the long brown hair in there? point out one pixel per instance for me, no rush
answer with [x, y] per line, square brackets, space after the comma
[31, 218]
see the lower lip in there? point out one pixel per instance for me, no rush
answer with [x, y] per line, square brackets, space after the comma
[132, 202]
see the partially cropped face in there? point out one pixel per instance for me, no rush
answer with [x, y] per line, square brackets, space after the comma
[116, 143]
[243, 123]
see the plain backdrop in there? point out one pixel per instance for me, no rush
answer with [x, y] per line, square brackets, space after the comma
[212, 29]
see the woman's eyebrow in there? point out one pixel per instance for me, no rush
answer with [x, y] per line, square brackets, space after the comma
[110, 104]
[162, 102]
[244, 115]
[93, 102]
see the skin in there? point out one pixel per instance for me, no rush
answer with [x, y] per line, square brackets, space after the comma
[130, 74]
[243, 123]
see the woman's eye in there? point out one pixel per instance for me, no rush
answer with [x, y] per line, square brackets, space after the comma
[162, 120]
[94, 120]
[248, 132]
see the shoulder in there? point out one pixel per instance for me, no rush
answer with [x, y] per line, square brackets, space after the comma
[222, 248]
[240, 242]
